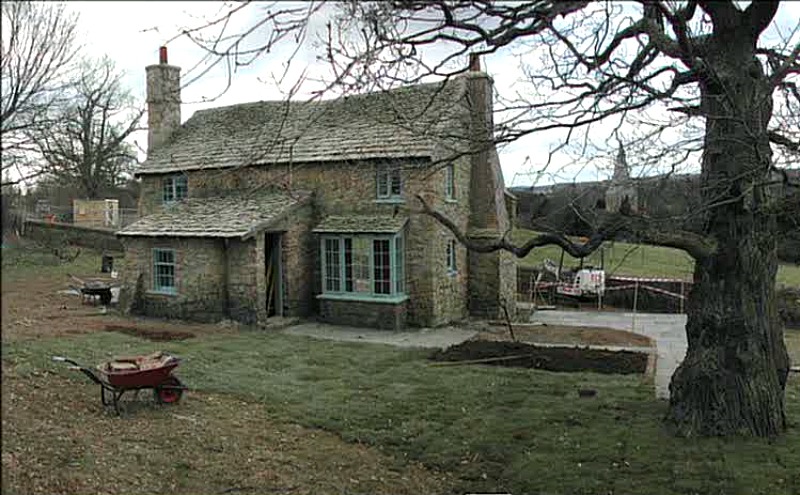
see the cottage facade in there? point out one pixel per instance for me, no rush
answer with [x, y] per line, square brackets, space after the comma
[309, 208]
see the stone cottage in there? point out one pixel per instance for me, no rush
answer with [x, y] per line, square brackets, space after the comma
[309, 208]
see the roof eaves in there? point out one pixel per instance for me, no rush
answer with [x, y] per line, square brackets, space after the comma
[259, 227]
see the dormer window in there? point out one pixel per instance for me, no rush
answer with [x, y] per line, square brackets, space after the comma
[175, 188]
[389, 183]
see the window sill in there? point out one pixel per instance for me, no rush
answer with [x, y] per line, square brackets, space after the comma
[392, 201]
[451, 200]
[452, 273]
[397, 299]
[162, 293]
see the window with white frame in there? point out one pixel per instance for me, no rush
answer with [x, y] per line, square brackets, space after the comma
[389, 182]
[164, 271]
[452, 268]
[363, 265]
[174, 188]
[449, 182]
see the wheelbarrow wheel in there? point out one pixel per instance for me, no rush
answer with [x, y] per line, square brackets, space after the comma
[170, 391]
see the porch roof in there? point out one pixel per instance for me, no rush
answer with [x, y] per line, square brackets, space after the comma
[223, 216]
[366, 224]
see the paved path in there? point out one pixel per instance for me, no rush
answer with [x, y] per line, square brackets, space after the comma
[667, 330]
[435, 338]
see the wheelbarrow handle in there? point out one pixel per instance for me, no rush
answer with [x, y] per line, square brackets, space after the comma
[62, 359]
[77, 367]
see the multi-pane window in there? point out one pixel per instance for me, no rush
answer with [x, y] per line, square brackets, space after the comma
[449, 182]
[164, 270]
[452, 268]
[399, 266]
[389, 182]
[174, 188]
[333, 275]
[382, 266]
[368, 265]
[356, 265]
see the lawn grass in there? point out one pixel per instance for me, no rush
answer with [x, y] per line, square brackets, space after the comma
[622, 258]
[22, 259]
[792, 338]
[495, 429]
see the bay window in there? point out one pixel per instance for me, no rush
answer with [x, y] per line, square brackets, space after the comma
[363, 265]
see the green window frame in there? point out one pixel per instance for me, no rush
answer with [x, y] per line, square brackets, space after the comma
[449, 182]
[452, 266]
[164, 271]
[389, 182]
[174, 188]
[371, 266]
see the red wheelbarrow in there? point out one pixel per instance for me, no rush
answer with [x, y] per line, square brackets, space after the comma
[134, 373]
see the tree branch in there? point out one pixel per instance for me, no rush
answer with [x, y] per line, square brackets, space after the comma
[777, 138]
[759, 14]
[697, 246]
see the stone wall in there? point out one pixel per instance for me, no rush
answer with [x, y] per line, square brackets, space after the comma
[349, 188]
[372, 314]
[67, 233]
[242, 284]
[200, 276]
[299, 248]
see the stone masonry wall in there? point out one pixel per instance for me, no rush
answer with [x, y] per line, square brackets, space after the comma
[242, 286]
[349, 188]
[299, 250]
[386, 316]
[199, 278]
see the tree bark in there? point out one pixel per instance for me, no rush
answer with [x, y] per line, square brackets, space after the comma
[733, 377]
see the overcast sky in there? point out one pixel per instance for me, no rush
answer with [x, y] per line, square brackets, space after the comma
[130, 33]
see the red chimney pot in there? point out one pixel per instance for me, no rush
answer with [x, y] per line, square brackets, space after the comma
[162, 55]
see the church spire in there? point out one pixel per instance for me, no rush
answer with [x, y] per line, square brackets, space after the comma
[621, 165]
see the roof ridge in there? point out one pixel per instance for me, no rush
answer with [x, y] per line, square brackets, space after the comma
[381, 91]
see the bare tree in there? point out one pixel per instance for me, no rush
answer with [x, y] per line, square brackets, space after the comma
[85, 144]
[694, 80]
[38, 50]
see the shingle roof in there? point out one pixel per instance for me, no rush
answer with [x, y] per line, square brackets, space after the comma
[399, 123]
[368, 224]
[228, 216]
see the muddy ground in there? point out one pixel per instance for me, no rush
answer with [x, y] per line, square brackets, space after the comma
[58, 439]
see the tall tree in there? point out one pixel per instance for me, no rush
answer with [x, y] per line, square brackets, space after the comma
[85, 145]
[39, 49]
[648, 69]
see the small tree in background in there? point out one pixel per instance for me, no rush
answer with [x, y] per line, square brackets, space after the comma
[85, 146]
[39, 52]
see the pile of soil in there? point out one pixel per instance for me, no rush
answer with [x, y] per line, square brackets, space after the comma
[520, 354]
[150, 334]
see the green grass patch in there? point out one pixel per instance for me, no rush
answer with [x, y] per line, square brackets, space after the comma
[28, 259]
[638, 260]
[496, 429]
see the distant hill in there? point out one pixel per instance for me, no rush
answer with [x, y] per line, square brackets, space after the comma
[566, 207]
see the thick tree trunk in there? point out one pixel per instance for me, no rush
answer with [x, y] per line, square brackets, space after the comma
[732, 380]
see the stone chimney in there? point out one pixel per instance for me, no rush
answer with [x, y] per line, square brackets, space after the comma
[487, 189]
[492, 282]
[163, 101]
